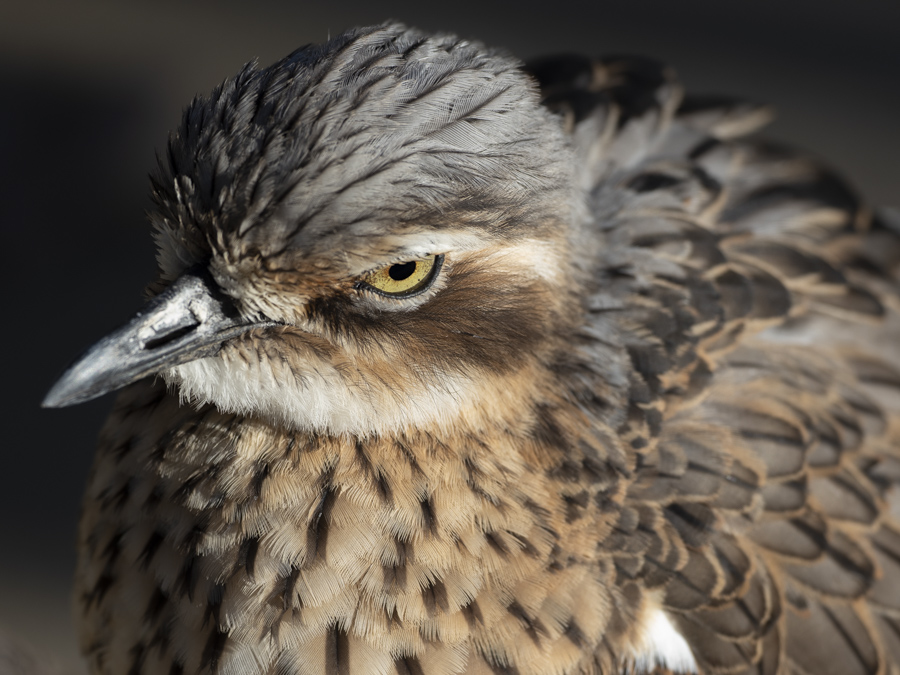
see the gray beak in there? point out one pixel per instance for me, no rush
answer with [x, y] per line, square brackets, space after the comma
[189, 320]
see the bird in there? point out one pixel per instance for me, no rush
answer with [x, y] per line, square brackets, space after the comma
[459, 364]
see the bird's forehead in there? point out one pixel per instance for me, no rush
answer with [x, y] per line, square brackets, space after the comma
[380, 131]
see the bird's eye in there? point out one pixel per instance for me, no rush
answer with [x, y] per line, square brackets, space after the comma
[404, 279]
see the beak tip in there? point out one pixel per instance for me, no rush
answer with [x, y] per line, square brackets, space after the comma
[84, 380]
[65, 393]
[51, 401]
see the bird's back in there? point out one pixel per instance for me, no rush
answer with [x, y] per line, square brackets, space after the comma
[758, 299]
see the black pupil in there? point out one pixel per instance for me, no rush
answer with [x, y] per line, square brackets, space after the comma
[402, 271]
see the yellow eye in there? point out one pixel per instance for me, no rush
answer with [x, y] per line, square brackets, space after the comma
[405, 279]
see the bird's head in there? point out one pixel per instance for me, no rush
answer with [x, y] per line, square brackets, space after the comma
[369, 234]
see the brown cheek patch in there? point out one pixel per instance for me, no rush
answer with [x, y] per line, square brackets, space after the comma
[479, 320]
[289, 344]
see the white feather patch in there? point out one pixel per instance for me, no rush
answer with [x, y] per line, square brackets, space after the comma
[319, 398]
[663, 646]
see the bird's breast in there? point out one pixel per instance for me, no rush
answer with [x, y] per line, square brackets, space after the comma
[224, 541]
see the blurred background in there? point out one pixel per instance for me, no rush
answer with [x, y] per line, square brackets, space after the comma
[89, 90]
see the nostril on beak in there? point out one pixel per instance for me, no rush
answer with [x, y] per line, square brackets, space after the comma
[170, 337]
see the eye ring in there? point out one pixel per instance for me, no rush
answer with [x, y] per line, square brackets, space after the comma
[404, 279]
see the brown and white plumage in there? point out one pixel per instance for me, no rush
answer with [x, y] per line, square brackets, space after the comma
[647, 416]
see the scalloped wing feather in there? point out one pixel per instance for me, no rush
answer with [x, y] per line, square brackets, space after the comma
[758, 300]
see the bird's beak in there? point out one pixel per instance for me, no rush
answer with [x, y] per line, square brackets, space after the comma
[189, 320]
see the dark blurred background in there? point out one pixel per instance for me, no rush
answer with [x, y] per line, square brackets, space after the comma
[89, 89]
